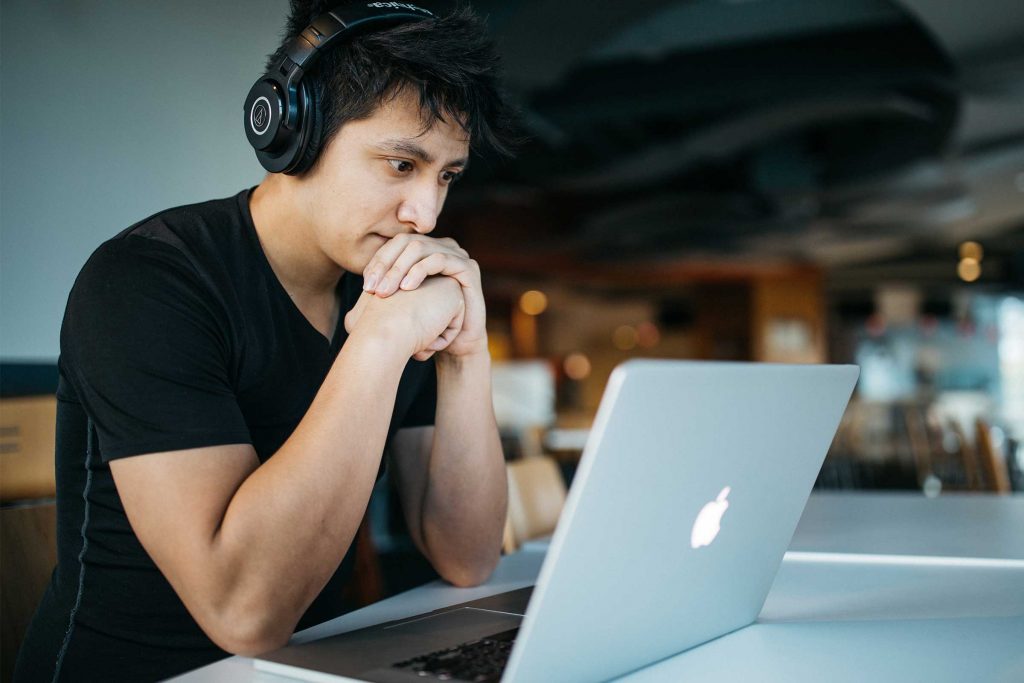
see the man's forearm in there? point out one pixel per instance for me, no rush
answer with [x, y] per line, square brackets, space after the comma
[291, 520]
[465, 502]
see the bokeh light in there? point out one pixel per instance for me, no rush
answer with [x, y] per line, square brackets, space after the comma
[533, 302]
[968, 269]
[971, 250]
[624, 337]
[576, 366]
[647, 334]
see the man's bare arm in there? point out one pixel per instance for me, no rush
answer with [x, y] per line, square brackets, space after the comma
[248, 547]
[451, 478]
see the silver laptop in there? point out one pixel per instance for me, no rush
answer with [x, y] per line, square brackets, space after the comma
[686, 497]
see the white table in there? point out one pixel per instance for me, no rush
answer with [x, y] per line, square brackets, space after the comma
[882, 587]
[966, 525]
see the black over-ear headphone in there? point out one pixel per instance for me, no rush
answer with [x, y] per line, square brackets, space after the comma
[282, 120]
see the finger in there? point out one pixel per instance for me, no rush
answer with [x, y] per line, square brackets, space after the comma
[459, 321]
[451, 332]
[453, 246]
[464, 271]
[445, 340]
[434, 264]
[469, 276]
[422, 355]
[416, 252]
[383, 260]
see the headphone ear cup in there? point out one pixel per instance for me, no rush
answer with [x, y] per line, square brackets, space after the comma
[289, 142]
[313, 133]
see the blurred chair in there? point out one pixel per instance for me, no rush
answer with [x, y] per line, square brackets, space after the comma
[536, 495]
[28, 519]
[920, 445]
[367, 583]
[27, 445]
[968, 459]
[992, 459]
[28, 539]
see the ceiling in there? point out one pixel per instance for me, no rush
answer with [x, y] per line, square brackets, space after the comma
[849, 135]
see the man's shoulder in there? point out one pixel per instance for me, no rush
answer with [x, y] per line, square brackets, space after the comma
[188, 243]
[195, 237]
[191, 225]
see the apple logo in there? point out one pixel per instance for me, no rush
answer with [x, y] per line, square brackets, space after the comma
[709, 521]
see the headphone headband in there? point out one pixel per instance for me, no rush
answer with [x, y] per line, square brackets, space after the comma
[279, 108]
[305, 48]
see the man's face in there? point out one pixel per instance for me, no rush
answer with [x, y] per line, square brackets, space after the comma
[379, 177]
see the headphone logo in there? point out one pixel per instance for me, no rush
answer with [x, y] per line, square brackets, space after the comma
[398, 5]
[259, 117]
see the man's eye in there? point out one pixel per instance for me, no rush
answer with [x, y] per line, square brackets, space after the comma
[401, 165]
[450, 177]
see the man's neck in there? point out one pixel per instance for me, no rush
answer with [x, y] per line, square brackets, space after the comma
[288, 240]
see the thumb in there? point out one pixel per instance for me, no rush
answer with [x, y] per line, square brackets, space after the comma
[353, 316]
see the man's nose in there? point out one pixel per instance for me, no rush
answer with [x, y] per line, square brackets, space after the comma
[419, 208]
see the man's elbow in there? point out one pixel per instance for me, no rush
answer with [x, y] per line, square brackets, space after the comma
[251, 645]
[248, 635]
[469, 575]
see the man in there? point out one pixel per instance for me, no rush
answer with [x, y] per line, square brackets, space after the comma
[232, 371]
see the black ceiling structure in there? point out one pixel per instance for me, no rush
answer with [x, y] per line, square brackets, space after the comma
[839, 133]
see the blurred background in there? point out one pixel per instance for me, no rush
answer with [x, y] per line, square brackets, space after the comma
[837, 181]
[748, 180]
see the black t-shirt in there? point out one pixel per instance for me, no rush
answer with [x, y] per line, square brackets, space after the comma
[177, 335]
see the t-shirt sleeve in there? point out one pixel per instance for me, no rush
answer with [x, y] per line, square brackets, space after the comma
[147, 347]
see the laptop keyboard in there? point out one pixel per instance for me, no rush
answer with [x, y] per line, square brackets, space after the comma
[479, 661]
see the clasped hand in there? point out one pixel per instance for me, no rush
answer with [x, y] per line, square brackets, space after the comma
[408, 263]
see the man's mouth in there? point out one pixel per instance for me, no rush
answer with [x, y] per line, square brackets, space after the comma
[387, 237]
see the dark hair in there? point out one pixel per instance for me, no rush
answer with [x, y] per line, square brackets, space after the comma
[449, 62]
